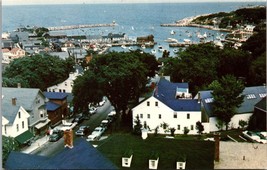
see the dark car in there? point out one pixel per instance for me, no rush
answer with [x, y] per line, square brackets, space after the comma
[78, 118]
[82, 131]
[56, 135]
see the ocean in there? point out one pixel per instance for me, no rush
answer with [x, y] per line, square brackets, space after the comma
[133, 19]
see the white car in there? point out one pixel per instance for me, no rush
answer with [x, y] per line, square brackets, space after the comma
[96, 134]
[92, 137]
[92, 110]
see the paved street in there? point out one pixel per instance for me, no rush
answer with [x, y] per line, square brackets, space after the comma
[52, 148]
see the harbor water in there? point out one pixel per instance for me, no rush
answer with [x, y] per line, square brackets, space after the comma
[133, 19]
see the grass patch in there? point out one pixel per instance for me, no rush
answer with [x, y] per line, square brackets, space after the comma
[199, 154]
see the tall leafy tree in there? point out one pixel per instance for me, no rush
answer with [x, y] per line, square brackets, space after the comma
[227, 97]
[234, 62]
[120, 76]
[197, 65]
[257, 70]
[38, 71]
[86, 90]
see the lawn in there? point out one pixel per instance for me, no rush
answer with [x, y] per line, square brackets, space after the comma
[199, 154]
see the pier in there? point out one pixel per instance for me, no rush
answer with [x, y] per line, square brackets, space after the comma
[57, 28]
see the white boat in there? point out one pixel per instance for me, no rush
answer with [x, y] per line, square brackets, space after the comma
[160, 48]
[205, 35]
[187, 41]
[175, 51]
[171, 40]
[123, 46]
[131, 49]
[218, 43]
[153, 51]
[143, 46]
[172, 32]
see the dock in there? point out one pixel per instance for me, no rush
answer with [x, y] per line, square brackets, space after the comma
[57, 28]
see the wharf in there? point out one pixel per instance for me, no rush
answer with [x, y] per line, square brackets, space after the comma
[127, 44]
[57, 28]
[181, 44]
[195, 25]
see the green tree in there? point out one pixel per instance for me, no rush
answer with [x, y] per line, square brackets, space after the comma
[40, 31]
[119, 76]
[191, 66]
[199, 127]
[256, 44]
[86, 90]
[234, 62]
[257, 71]
[227, 97]
[137, 126]
[38, 71]
[242, 123]
[8, 144]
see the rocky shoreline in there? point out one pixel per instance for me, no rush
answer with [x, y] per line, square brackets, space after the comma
[188, 22]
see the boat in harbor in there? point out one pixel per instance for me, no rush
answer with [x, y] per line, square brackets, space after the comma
[153, 51]
[123, 46]
[131, 49]
[171, 40]
[187, 41]
[160, 48]
[143, 46]
[172, 32]
[175, 51]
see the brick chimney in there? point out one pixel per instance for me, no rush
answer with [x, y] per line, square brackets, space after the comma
[14, 101]
[217, 147]
[68, 138]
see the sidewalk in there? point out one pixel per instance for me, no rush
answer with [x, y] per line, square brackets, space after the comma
[36, 144]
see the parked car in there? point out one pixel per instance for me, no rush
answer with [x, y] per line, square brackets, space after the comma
[78, 118]
[82, 131]
[96, 134]
[110, 116]
[92, 110]
[56, 135]
[104, 124]
[254, 137]
[101, 103]
[93, 137]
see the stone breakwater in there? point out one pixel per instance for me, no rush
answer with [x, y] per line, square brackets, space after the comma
[57, 28]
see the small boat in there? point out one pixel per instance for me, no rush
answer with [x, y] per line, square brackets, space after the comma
[153, 51]
[187, 41]
[131, 49]
[160, 48]
[172, 32]
[205, 35]
[143, 46]
[175, 51]
[123, 46]
[171, 40]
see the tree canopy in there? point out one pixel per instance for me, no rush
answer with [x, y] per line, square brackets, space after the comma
[120, 76]
[9, 144]
[38, 71]
[227, 97]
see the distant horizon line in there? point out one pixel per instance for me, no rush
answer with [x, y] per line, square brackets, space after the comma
[95, 3]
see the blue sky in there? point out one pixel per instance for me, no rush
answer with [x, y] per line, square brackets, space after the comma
[29, 2]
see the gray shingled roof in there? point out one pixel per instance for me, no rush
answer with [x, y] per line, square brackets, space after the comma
[25, 96]
[252, 96]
